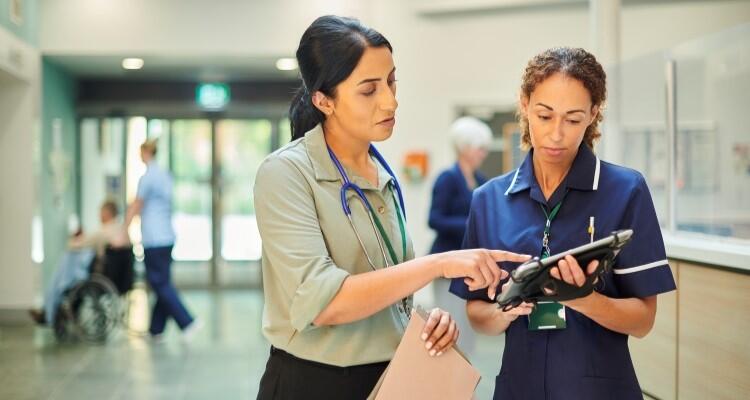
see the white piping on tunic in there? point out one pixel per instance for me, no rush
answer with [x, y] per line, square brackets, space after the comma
[513, 182]
[596, 174]
[640, 267]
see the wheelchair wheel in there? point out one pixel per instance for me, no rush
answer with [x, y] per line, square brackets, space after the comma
[63, 326]
[95, 308]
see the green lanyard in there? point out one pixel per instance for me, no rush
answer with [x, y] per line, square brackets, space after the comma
[550, 216]
[401, 227]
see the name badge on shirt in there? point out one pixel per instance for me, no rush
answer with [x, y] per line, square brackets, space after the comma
[547, 315]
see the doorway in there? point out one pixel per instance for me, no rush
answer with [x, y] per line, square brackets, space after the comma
[213, 162]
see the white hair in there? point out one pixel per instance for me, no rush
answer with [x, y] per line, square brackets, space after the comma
[469, 132]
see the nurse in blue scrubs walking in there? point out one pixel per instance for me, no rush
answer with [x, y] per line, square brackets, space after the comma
[563, 196]
[154, 204]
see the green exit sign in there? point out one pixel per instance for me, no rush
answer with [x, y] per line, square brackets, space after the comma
[212, 96]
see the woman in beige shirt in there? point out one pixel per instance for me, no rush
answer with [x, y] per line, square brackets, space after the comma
[333, 312]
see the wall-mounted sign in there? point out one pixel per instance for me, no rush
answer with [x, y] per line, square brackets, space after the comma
[212, 96]
[16, 11]
[415, 166]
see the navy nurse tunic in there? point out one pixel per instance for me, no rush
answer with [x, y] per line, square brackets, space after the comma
[584, 360]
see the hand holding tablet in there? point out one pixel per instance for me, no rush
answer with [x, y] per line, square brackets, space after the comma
[531, 281]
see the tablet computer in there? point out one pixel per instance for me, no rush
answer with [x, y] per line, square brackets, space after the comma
[531, 281]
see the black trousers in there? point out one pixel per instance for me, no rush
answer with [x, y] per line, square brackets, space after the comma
[289, 378]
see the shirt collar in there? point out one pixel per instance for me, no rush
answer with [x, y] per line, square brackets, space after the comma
[583, 174]
[315, 144]
[325, 170]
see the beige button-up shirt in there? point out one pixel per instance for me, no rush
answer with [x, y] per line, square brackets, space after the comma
[309, 248]
[110, 234]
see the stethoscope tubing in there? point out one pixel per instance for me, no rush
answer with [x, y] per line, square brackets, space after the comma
[348, 185]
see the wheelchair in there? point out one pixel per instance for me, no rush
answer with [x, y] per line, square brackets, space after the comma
[91, 309]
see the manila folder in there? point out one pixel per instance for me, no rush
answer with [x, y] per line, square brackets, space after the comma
[413, 374]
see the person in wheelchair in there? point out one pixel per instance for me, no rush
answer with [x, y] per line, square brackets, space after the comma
[84, 251]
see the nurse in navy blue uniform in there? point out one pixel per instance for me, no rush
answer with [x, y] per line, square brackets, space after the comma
[564, 186]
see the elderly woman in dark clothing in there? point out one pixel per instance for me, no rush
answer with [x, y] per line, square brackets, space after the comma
[451, 199]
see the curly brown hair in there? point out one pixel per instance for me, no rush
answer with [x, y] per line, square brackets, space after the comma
[576, 63]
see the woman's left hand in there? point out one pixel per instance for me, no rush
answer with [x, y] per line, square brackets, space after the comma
[440, 332]
[568, 271]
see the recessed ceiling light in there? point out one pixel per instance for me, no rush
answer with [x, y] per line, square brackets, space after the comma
[132, 63]
[286, 64]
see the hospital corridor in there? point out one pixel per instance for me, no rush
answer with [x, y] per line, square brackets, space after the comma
[329, 199]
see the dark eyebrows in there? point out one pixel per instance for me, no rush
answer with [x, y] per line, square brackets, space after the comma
[569, 112]
[375, 79]
[362, 82]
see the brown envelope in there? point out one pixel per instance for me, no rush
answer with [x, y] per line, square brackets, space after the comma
[413, 374]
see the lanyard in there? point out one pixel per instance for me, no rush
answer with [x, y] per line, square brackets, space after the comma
[550, 216]
[403, 307]
[384, 235]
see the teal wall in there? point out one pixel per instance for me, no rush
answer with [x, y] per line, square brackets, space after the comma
[58, 180]
[28, 31]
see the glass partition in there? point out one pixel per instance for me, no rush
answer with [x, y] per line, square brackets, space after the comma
[712, 139]
[713, 136]
[642, 112]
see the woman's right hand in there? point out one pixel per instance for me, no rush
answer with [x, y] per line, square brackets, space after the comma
[478, 267]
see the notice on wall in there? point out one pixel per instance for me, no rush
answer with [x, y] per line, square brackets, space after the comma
[16, 11]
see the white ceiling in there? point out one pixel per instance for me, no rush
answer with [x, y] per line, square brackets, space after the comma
[181, 39]
[188, 67]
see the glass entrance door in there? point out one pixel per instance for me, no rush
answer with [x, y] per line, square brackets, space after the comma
[213, 163]
[241, 145]
[190, 156]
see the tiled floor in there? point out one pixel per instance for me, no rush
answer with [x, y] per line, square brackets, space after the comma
[224, 361]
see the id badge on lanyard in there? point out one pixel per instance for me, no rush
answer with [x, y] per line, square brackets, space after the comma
[548, 314]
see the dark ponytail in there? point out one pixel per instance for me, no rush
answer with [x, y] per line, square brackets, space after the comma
[303, 115]
[328, 52]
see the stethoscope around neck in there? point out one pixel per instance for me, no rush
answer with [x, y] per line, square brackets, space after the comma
[347, 185]
[379, 231]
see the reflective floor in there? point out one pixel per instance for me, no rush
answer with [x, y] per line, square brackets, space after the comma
[223, 361]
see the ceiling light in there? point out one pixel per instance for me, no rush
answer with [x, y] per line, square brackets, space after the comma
[286, 64]
[132, 63]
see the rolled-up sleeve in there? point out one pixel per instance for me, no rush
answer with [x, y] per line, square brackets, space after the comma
[296, 261]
